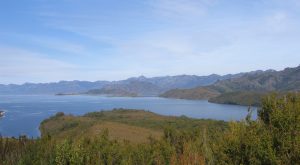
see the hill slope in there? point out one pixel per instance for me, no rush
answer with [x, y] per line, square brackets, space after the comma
[123, 124]
[285, 80]
[191, 94]
[248, 86]
[142, 86]
[130, 88]
[183, 81]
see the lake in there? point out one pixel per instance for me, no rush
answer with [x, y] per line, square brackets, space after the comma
[23, 114]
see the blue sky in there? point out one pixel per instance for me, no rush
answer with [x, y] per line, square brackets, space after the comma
[52, 40]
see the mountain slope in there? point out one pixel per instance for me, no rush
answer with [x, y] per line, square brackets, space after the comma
[51, 88]
[140, 86]
[191, 94]
[131, 88]
[183, 81]
[259, 82]
[270, 80]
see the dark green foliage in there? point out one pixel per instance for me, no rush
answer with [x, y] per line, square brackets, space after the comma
[56, 116]
[101, 150]
[247, 98]
[59, 114]
[198, 93]
[281, 116]
[273, 139]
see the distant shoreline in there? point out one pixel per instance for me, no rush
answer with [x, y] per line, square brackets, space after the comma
[105, 95]
[67, 94]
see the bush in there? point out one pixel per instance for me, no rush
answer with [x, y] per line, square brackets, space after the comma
[274, 138]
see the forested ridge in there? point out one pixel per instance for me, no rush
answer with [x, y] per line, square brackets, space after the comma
[247, 89]
[274, 138]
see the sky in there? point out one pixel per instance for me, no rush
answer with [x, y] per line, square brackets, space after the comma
[52, 40]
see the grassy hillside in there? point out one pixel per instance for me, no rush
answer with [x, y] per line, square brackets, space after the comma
[123, 124]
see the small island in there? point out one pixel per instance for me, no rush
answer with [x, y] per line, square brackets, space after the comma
[1, 113]
[66, 94]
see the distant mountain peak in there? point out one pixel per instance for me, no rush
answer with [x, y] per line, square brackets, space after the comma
[139, 85]
[142, 77]
[257, 82]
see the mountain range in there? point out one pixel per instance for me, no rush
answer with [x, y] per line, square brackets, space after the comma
[51, 88]
[246, 89]
[243, 88]
[136, 86]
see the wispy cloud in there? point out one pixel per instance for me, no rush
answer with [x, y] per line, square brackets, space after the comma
[278, 21]
[192, 42]
[119, 39]
[17, 63]
[181, 9]
[58, 44]
[18, 66]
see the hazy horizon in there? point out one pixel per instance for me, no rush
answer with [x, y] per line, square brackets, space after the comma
[53, 40]
[21, 83]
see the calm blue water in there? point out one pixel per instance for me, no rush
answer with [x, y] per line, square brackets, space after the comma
[24, 113]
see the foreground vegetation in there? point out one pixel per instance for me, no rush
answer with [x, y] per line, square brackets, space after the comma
[274, 138]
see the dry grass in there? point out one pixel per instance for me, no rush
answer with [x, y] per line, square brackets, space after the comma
[80, 127]
[135, 126]
[118, 131]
